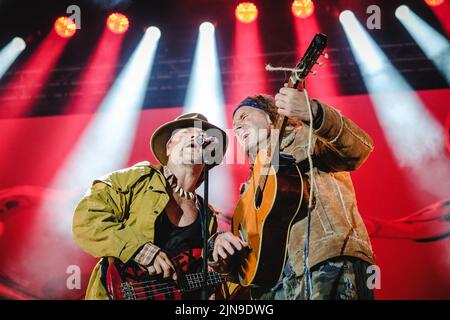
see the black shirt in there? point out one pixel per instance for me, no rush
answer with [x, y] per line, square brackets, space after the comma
[182, 244]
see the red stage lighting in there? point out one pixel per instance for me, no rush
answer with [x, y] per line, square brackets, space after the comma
[434, 3]
[302, 8]
[117, 23]
[65, 27]
[246, 12]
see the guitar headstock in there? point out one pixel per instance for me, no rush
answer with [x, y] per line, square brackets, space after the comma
[309, 59]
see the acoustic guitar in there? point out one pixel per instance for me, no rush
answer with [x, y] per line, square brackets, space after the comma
[274, 196]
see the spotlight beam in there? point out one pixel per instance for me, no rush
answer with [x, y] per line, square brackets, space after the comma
[24, 88]
[106, 143]
[415, 137]
[205, 85]
[98, 74]
[204, 95]
[435, 46]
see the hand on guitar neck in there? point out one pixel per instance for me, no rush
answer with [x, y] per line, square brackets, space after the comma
[292, 103]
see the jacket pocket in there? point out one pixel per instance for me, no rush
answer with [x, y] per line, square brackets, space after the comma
[147, 206]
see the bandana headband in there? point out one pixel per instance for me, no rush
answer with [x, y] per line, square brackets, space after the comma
[248, 103]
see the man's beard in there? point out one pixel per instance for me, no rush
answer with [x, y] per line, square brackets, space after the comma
[191, 156]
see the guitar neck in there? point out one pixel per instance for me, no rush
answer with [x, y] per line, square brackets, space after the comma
[296, 81]
[193, 281]
[282, 121]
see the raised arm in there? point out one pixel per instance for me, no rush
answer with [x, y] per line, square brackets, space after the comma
[340, 145]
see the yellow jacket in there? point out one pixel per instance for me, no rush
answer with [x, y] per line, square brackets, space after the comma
[117, 216]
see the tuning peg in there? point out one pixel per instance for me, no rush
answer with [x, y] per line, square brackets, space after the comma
[320, 64]
[313, 72]
[325, 55]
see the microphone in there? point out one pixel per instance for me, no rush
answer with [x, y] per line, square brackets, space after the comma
[205, 141]
[207, 144]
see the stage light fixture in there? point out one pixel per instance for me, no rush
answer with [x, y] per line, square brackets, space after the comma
[206, 27]
[9, 53]
[345, 16]
[302, 8]
[18, 44]
[154, 32]
[402, 12]
[117, 23]
[434, 3]
[65, 27]
[246, 12]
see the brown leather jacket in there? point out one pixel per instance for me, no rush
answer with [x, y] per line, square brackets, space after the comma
[339, 146]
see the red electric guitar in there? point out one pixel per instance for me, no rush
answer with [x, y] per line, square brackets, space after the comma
[129, 281]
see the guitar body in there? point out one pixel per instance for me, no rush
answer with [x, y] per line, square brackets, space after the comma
[263, 220]
[130, 282]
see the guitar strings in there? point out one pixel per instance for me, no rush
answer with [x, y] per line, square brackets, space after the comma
[209, 282]
[161, 285]
[192, 277]
[152, 296]
[163, 291]
[165, 288]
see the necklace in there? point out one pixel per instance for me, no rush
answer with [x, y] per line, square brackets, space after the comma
[176, 188]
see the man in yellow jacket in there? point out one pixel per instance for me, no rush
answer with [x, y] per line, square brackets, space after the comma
[149, 214]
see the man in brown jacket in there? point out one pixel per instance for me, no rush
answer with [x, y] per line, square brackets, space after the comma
[149, 214]
[339, 250]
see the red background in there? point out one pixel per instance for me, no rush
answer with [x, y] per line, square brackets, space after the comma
[33, 258]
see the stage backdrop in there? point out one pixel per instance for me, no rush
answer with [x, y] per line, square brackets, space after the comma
[406, 207]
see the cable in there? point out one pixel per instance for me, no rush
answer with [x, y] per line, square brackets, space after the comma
[306, 271]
